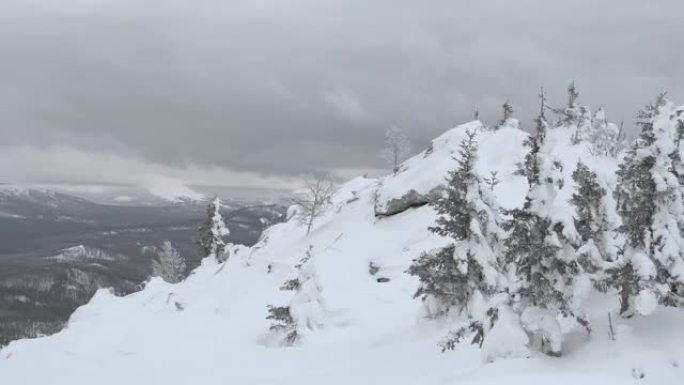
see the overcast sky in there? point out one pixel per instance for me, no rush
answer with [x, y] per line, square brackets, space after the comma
[256, 92]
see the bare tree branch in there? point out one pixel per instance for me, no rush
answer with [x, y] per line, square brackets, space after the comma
[316, 196]
[398, 148]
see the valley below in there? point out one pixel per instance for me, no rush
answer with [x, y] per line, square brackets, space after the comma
[57, 250]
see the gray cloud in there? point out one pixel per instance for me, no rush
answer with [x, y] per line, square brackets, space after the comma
[282, 87]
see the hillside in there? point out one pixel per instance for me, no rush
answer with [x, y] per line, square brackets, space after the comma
[212, 328]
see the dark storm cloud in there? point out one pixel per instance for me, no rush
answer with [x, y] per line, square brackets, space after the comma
[290, 86]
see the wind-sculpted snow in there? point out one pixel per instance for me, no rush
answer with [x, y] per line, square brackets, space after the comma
[212, 328]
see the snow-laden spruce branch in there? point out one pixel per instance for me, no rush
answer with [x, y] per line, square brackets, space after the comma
[306, 311]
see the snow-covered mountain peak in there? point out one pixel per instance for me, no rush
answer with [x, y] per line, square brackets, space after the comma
[369, 328]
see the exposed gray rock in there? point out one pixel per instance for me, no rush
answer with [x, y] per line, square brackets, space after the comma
[409, 200]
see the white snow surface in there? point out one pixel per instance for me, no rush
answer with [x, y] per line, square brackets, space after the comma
[372, 332]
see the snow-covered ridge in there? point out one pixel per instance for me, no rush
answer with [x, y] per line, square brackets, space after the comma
[14, 189]
[83, 253]
[18, 191]
[373, 330]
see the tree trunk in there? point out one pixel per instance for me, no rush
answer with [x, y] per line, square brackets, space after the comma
[626, 294]
[312, 215]
[625, 307]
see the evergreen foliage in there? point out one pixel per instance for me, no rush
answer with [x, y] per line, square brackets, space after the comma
[306, 310]
[507, 119]
[535, 247]
[649, 201]
[452, 276]
[493, 180]
[597, 245]
[169, 264]
[213, 231]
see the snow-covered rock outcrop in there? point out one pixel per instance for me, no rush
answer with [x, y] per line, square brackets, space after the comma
[423, 176]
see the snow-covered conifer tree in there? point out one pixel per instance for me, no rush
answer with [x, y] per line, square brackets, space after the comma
[535, 248]
[398, 148]
[306, 310]
[595, 222]
[649, 200]
[583, 123]
[169, 264]
[507, 119]
[573, 94]
[493, 180]
[570, 114]
[213, 231]
[677, 164]
[575, 116]
[603, 136]
[453, 276]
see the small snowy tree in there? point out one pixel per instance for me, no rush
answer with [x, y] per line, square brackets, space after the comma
[601, 136]
[493, 180]
[453, 276]
[398, 148]
[649, 201]
[313, 200]
[573, 94]
[572, 113]
[169, 264]
[213, 231]
[544, 272]
[575, 117]
[507, 119]
[583, 123]
[306, 310]
[507, 111]
[604, 137]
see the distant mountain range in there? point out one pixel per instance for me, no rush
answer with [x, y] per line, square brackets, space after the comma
[57, 249]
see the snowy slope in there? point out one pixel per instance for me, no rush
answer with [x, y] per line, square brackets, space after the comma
[427, 171]
[373, 332]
